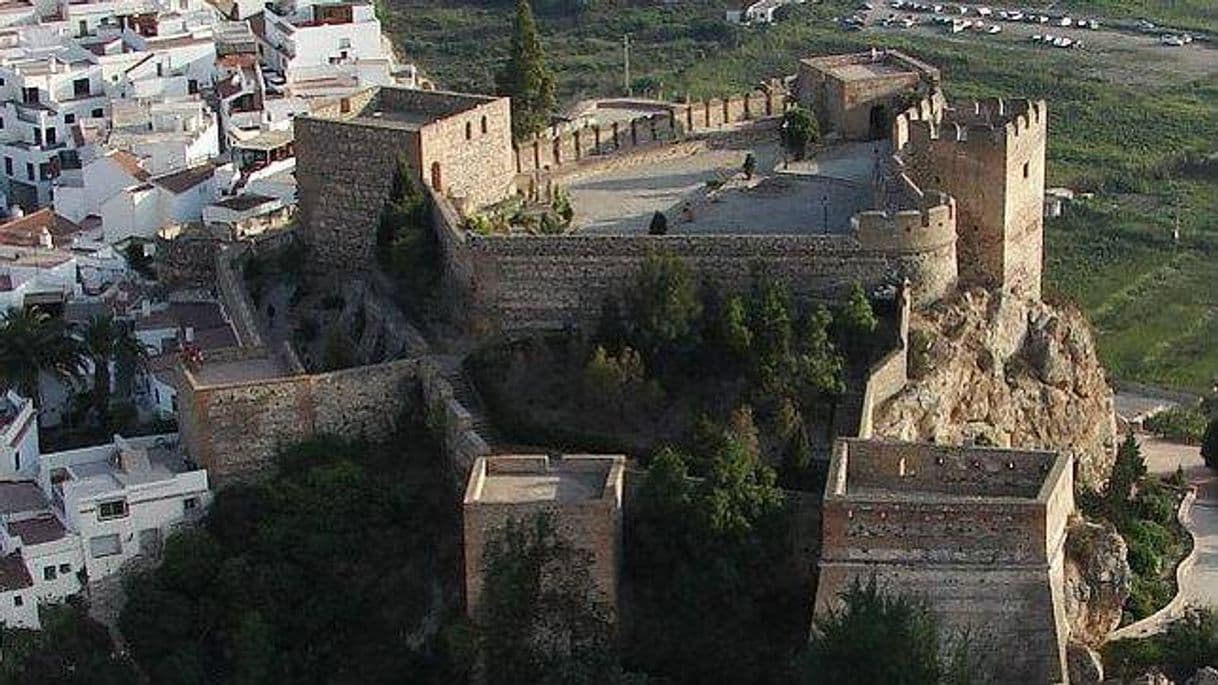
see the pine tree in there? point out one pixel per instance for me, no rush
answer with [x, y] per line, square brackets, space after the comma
[526, 78]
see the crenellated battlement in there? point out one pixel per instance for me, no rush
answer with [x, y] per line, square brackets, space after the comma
[984, 124]
[929, 224]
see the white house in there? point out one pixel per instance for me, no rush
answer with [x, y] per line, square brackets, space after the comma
[46, 86]
[141, 210]
[82, 192]
[18, 607]
[306, 34]
[166, 135]
[123, 498]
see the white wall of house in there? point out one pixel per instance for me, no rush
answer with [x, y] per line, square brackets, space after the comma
[54, 567]
[132, 213]
[19, 609]
[19, 440]
[101, 179]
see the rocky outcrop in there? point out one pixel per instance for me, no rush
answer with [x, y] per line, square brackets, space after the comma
[1097, 580]
[1084, 665]
[992, 370]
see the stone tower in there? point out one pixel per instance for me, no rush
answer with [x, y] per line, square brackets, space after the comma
[990, 156]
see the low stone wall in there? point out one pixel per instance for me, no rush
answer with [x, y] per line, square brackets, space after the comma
[461, 443]
[234, 297]
[888, 376]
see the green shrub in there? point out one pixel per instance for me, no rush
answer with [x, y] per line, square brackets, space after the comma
[1179, 424]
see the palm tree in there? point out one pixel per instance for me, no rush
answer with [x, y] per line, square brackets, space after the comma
[105, 340]
[32, 343]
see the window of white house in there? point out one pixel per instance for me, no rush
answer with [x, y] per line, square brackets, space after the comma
[65, 569]
[113, 509]
[105, 546]
[17, 601]
[190, 503]
[48, 573]
[344, 43]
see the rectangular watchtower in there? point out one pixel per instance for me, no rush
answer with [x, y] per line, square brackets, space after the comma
[856, 95]
[990, 156]
[347, 154]
[976, 533]
[583, 494]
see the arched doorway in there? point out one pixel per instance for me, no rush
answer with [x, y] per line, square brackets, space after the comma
[435, 177]
[879, 122]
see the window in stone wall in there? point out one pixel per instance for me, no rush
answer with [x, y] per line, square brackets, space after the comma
[484, 124]
[469, 130]
[1025, 169]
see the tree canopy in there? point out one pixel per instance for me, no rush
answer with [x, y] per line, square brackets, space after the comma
[526, 78]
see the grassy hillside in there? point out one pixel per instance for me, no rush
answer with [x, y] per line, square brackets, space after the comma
[1123, 122]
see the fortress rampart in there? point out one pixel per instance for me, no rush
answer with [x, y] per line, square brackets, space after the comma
[667, 123]
[978, 533]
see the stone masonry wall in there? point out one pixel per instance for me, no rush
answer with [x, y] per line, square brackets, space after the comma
[235, 430]
[344, 173]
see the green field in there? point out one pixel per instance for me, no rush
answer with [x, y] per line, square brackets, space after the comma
[1126, 124]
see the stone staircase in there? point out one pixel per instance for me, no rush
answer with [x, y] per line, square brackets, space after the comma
[465, 393]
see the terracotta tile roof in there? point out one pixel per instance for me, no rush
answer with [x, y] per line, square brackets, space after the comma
[181, 181]
[26, 231]
[38, 530]
[238, 60]
[13, 574]
[130, 164]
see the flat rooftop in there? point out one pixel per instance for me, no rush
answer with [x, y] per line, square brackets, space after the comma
[859, 72]
[409, 108]
[22, 496]
[815, 196]
[523, 479]
[239, 371]
[906, 471]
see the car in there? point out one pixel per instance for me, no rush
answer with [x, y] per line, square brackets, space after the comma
[994, 28]
[984, 11]
[1065, 22]
[1042, 19]
[1172, 41]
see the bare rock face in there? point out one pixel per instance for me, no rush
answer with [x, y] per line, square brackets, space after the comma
[1097, 580]
[996, 371]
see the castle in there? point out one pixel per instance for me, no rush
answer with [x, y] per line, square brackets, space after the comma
[955, 198]
[907, 191]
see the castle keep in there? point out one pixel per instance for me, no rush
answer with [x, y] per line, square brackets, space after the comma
[950, 195]
[977, 533]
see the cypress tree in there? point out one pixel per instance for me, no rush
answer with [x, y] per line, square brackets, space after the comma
[526, 78]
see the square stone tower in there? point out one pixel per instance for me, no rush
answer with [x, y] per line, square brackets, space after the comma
[989, 156]
[458, 145]
[977, 533]
[857, 95]
[583, 494]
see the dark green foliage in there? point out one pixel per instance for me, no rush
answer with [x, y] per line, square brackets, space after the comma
[526, 78]
[406, 244]
[338, 353]
[664, 306]
[541, 618]
[878, 636]
[104, 340]
[1127, 470]
[1209, 444]
[33, 343]
[1189, 643]
[658, 225]
[316, 575]
[703, 558]
[138, 260]
[71, 649]
[750, 166]
[798, 130]
[1179, 424]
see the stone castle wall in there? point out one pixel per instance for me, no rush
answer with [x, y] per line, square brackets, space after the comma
[235, 430]
[516, 282]
[346, 165]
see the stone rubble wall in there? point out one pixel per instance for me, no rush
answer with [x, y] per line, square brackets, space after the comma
[234, 298]
[461, 443]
